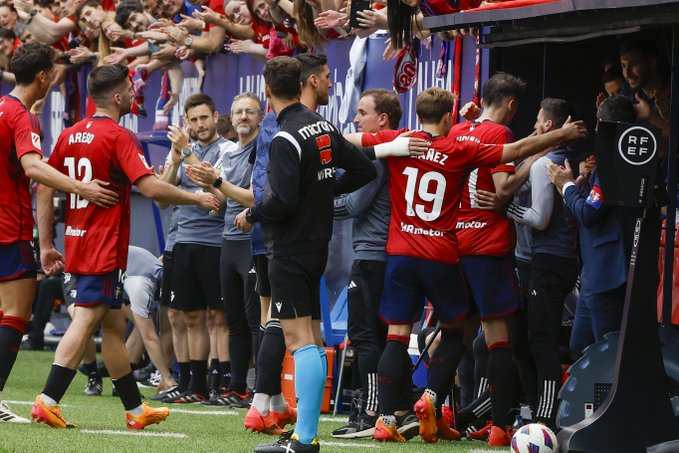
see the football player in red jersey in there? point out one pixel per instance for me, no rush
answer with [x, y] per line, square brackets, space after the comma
[486, 243]
[96, 242]
[21, 161]
[423, 258]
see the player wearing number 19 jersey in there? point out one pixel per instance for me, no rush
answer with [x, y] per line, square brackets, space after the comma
[423, 257]
[422, 261]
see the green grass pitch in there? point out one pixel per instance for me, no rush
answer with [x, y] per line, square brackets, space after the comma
[190, 428]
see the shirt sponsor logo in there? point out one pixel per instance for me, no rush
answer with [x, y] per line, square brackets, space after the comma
[412, 229]
[76, 232]
[81, 137]
[473, 225]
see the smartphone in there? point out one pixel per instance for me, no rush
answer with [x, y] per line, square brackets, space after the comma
[355, 7]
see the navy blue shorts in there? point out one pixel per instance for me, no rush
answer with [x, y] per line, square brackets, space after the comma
[17, 261]
[409, 281]
[91, 290]
[492, 284]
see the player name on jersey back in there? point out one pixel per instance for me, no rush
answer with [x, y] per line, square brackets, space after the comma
[81, 137]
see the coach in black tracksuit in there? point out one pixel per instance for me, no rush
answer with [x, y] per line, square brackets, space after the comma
[296, 216]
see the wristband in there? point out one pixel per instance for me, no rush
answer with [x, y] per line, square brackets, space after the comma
[217, 183]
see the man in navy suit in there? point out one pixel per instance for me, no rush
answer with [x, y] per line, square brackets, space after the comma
[605, 238]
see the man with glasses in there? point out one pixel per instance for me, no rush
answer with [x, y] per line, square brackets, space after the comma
[232, 183]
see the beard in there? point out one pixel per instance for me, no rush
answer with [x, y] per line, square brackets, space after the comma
[243, 129]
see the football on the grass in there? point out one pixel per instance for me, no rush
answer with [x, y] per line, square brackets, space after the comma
[534, 438]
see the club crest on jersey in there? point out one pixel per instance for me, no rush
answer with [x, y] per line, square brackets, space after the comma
[35, 138]
[325, 152]
[595, 197]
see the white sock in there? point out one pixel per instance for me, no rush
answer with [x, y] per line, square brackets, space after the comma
[278, 403]
[261, 402]
[48, 401]
[137, 411]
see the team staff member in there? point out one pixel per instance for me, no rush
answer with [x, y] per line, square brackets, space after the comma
[21, 161]
[97, 242]
[198, 244]
[297, 220]
[236, 255]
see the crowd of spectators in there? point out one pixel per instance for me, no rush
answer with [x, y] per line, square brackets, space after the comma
[151, 35]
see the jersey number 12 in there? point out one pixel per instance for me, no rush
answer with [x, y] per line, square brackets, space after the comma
[84, 174]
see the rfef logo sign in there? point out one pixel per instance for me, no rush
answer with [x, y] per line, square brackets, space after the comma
[627, 163]
[637, 145]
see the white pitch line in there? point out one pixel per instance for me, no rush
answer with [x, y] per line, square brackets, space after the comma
[214, 412]
[333, 419]
[28, 403]
[348, 445]
[133, 433]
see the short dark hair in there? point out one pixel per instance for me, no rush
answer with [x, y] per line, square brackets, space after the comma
[433, 103]
[30, 59]
[616, 108]
[502, 86]
[282, 75]
[6, 33]
[645, 48]
[81, 6]
[311, 64]
[224, 125]
[125, 10]
[613, 73]
[104, 80]
[199, 99]
[556, 110]
[386, 102]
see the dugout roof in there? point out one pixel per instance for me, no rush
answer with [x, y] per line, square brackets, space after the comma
[518, 22]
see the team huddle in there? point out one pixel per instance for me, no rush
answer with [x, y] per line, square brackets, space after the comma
[422, 231]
